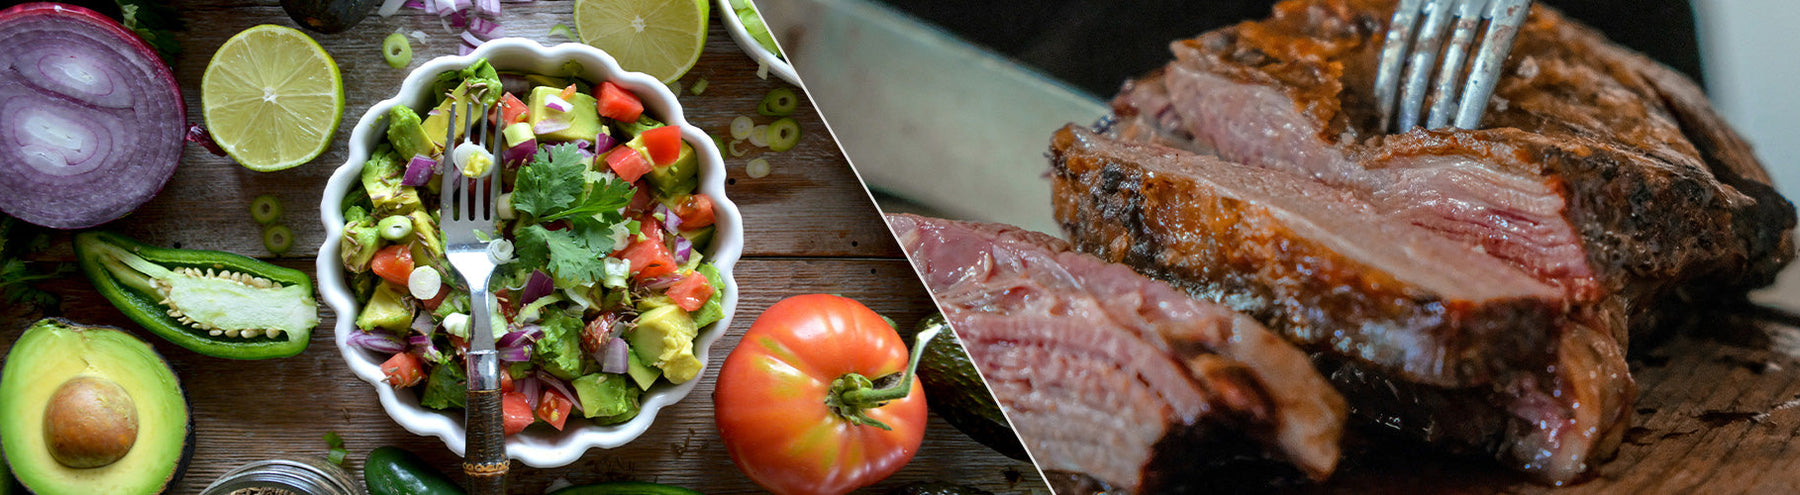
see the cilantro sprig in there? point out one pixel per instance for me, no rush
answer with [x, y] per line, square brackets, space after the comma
[555, 186]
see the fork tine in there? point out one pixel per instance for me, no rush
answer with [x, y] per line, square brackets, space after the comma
[496, 147]
[1393, 57]
[1450, 74]
[1507, 16]
[467, 192]
[1424, 55]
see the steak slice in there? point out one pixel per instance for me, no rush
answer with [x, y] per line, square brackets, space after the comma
[1110, 374]
[1421, 332]
[1597, 170]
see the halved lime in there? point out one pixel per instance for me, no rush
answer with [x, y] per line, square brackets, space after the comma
[661, 38]
[272, 98]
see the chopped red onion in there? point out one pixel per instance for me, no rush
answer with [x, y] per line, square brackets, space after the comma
[556, 384]
[616, 359]
[530, 386]
[604, 142]
[416, 4]
[537, 286]
[427, 352]
[684, 249]
[424, 325]
[547, 126]
[529, 334]
[418, 171]
[662, 282]
[198, 135]
[670, 221]
[557, 103]
[384, 344]
[518, 354]
[470, 38]
[464, 49]
[521, 152]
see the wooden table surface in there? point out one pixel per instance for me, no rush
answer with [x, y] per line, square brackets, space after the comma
[809, 228]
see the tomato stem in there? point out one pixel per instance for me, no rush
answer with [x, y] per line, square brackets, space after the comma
[853, 393]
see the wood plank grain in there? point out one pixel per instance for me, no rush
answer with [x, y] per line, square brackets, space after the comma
[810, 205]
[252, 410]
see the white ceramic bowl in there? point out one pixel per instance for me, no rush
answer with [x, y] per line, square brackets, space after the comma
[781, 68]
[538, 446]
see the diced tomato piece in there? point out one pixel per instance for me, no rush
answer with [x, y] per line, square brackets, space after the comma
[568, 92]
[628, 163]
[553, 408]
[650, 257]
[641, 200]
[506, 381]
[512, 111]
[691, 292]
[664, 144]
[516, 410]
[618, 103]
[403, 370]
[696, 212]
[393, 263]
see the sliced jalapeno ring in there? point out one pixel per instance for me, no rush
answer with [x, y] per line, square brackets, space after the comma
[214, 303]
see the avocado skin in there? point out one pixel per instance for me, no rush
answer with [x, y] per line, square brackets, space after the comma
[937, 488]
[955, 391]
[10, 485]
[328, 16]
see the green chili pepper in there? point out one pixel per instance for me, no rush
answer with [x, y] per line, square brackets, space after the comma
[214, 303]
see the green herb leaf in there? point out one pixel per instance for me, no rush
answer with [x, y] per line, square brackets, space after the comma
[606, 196]
[551, 182]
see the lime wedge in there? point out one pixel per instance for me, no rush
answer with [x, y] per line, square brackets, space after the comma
[661, 38]
[272, 98]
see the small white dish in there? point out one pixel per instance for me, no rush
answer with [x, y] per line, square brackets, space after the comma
[538, 446]
[777, 66]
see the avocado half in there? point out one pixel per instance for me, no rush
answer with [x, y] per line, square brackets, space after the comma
[44, 364]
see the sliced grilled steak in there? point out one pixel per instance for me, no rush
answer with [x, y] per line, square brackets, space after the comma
[1423, 333]
[1601, 177]
[1110, 374]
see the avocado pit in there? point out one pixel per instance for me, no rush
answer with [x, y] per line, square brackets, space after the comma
[90, 422]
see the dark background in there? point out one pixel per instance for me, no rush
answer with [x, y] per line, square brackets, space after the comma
[1097, 44]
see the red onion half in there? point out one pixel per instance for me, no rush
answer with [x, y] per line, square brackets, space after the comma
[91, 121]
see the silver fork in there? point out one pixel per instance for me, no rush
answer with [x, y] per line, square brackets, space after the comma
[469, 205]
[1401, 51]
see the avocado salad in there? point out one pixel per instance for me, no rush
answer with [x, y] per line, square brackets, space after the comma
[601, 285]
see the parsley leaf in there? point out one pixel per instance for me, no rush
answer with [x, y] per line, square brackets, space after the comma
[551, 182]
[606, 196]
[570, 255]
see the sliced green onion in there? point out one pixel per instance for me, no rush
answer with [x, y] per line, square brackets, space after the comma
[740, 127]
[698, 87]
[336, 443]
[759, 136]
[265, 209]
[395, 228]
[278, 239]
[396, 50]
[735, 152]
[757, 168]
[780, 102]
[783, 134]
[563, 30]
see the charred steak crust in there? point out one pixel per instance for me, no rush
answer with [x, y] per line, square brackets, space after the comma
[1161, 384]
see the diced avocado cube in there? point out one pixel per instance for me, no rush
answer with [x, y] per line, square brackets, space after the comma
[360, 241]
[381, 176]
[664, 338]
[607, 397]
[644, 123]
[518, 133]
[680, 178]
[646, 304]
[386, 310]
[701, 237]
[643, 374]
[583, 115]
[714, 309]
[559, 351]
[426, 234]
[408, 135]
